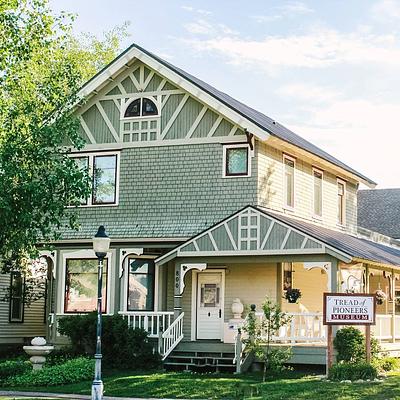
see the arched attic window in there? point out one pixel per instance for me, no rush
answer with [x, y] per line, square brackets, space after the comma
[142, 107]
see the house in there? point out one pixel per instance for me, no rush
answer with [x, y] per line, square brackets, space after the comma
[209, 203]
[379, 211]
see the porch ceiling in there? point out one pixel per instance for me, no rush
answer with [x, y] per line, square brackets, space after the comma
[257, 231]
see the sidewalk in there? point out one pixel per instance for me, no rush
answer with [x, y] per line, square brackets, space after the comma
[68, 396]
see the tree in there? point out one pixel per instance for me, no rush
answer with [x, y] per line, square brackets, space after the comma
[42, 66]
[260, 334]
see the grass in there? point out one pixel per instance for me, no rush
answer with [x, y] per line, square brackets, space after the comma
[211, 386]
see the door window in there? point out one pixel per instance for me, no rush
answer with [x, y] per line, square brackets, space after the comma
[209, 295]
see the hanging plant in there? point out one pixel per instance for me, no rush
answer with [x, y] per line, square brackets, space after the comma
[380, 296]
[292, 295]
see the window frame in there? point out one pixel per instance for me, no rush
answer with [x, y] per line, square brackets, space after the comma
[225, 151]
[105, 300]
[91, 158]
[141, 116]
[318, 171]
[342, 182]
[293, 159]
[154, 299]
[22, 298]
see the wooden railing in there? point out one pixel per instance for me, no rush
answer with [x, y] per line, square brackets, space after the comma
[151, 321]
[302, 328]
[171, 337]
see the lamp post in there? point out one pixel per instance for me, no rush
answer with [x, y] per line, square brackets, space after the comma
[101, 245]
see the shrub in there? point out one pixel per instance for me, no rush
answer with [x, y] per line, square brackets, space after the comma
[386, 364]
[350, 345]
[60, 356]
[10, 368]
[72, 371]
[352, 371]
[122, 347]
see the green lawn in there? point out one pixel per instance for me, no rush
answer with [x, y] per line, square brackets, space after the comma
[211, 386]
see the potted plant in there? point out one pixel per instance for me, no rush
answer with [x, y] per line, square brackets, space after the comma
[380, 296]
[292, 295]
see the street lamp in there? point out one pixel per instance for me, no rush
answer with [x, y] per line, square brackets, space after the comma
[101, 245]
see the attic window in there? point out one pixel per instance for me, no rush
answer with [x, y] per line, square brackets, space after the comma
[142, 107]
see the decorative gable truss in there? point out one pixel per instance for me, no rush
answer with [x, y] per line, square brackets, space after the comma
[251, 232]
[181, 117]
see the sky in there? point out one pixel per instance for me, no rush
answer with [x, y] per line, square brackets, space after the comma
[329, 69]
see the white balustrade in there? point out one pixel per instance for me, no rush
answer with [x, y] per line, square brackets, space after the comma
[302, 328]
[151, 321]
[172, 336]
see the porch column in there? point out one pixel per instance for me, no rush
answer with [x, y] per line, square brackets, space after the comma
[177, 290]
[334, 276]
[393, 288]
[366, 289]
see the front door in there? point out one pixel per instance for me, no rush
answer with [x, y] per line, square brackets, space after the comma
[209, 305]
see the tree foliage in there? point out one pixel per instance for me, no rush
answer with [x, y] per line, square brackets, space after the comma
[42, 66]
[260, 333]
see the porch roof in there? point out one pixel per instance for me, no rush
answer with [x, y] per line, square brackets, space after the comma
[258, 231]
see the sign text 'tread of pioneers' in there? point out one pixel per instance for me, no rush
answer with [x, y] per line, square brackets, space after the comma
[349, 309]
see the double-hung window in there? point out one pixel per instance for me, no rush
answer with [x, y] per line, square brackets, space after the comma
[317, 200]
[236, 160]
[103, 168]
[341, 201]
[289, 170]
[140, 285]
[17, 288]
[81, 280]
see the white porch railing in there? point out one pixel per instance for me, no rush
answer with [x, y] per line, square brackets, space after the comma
[151, 321]
[308, 328]
[172, 336]
[303, 328]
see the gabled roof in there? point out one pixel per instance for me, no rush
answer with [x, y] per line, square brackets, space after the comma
[276, 234]
[259, 124]
[379, 211]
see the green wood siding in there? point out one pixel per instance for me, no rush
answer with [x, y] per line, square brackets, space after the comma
[169, 191]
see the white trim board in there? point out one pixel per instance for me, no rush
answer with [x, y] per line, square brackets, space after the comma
[133, 53]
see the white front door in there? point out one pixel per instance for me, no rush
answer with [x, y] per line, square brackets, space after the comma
[209, 305]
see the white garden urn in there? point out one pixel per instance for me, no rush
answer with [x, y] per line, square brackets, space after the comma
[237, 309]
[38, 352]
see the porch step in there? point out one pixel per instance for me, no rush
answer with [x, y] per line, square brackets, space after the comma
[199, 357]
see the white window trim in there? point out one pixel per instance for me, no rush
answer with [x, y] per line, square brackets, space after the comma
[320, 171]
[91, 156]
[224, 160]
[344, 183]
[125, 105]
[125, 280]
[286, 206]
[80, 254]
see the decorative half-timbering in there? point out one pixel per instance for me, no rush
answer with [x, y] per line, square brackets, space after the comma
[141, 106]
[250, 232]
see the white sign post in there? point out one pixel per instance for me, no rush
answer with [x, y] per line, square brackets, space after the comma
[349, 309]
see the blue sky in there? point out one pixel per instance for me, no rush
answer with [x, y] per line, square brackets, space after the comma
[329, 70]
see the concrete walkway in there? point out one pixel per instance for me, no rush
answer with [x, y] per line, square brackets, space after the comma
[68, 396]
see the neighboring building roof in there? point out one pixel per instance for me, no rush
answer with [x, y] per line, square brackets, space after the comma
[279, 235]
[379, 211]
[262, 121]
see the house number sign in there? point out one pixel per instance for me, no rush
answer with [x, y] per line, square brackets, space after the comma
[349, 309]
